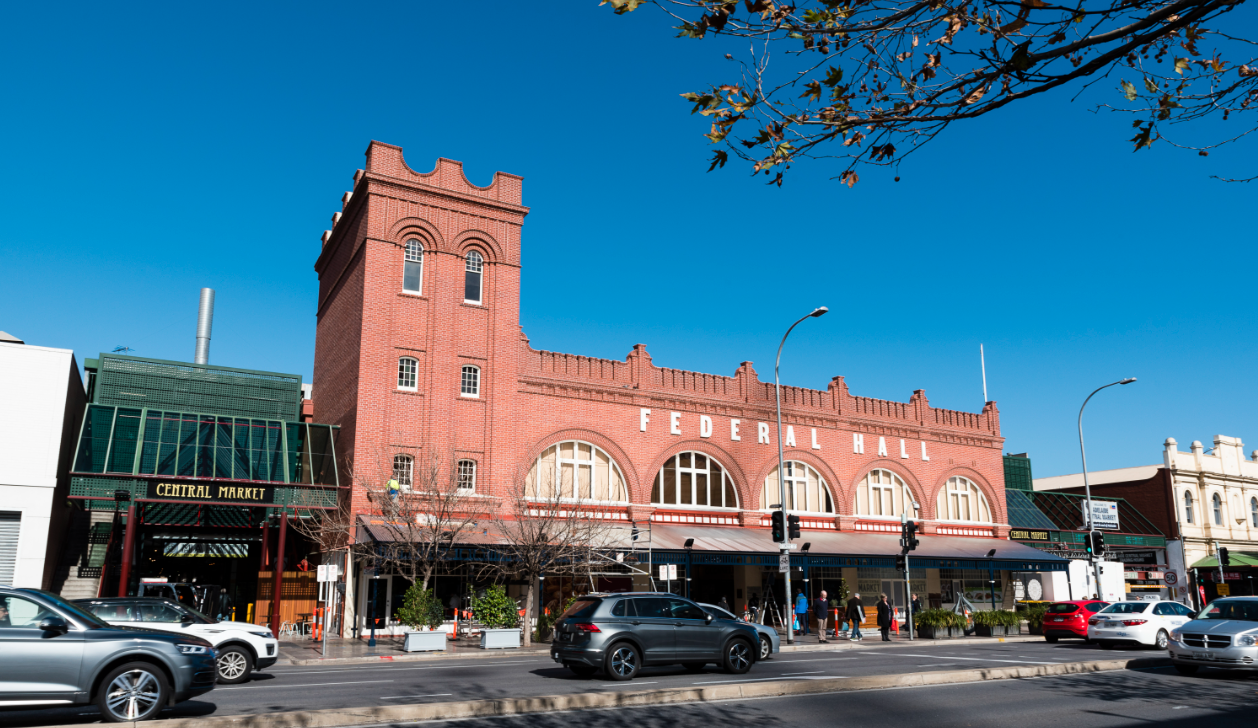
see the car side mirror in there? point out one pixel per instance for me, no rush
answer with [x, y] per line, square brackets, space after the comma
[186, 619]
[54, 624]
[707, 619]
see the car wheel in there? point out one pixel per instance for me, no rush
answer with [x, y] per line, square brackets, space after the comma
[766, 648]
[1050, 640]
[131, 692]
[622, 662]
[1185, 669]
[582, 670]
[738, 656]
[1162, 641]
[234, 666]
[694, 666]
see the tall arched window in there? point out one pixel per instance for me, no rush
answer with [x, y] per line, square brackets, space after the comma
[469, 383]
[961, 500]
[883, 493]
[413, 268]
[806, 490]
[404, 471]
[467, 476]
[407, 378]
[576, 471]
[1253, 511]
[694, 479]
[1187, 506]
[1217, 503]
[472, 277]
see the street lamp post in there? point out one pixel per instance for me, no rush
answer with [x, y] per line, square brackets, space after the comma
[1087, 490]
[785, 547]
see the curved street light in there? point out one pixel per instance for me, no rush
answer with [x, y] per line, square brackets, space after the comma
[1087, 490]
[785, 546]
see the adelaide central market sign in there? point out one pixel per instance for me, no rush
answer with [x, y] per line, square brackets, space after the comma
[1104, 514]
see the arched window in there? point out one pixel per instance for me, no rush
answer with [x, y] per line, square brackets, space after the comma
[806, 490]
[883, 493]
[693, 479]
[407, 368]
[467, 476]
[1217, 503]
[1253, 511]
[469, 385]
[576, 471]
[413, 268]
[961, 500]
[472, 277]
[404, 471]
[1187, 506]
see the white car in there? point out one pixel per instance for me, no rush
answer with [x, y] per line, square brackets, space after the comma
[1148, 623]
[241, 647]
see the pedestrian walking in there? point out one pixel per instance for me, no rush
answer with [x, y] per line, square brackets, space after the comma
[884, 617]
[821, 608]
[855, 614]
[916, 605]
[723, 604]
[801, 611]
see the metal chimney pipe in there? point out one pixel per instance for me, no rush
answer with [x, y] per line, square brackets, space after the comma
[205, 322]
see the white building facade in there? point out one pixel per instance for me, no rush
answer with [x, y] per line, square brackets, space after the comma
[41, 405]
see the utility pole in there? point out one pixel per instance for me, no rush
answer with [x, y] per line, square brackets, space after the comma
[1087, 489]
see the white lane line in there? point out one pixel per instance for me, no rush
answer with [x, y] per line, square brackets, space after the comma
[763, 679]
[391, 667]
[940, 664]
[628, 684]
[404, 697]
[983, 659]
[812, 672]
[304, 685]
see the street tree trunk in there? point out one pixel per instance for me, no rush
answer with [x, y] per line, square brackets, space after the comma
[528, 611]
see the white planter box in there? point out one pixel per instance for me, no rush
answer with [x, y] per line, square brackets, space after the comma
[499, 639]
[425, 641]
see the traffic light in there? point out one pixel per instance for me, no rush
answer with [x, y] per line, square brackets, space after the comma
[779, 529]
[908, 536]
[1224, 558]
[900, 562]
[1096, 543]
[793, 521]
[635, 530]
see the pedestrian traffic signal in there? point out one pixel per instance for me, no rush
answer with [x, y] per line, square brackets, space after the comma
[1224, 558]
[901, 562]
[793, 522]
[779, 529]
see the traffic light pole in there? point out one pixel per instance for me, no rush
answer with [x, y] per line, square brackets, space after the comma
[1218, 556]
[908, 584]
[1087, 489]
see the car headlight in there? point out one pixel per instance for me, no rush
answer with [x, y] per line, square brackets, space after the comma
[1175, 635]
[1247, 640]
[265, 634]
[194, 649]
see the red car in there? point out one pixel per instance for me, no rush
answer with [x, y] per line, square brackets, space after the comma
[1070, 619]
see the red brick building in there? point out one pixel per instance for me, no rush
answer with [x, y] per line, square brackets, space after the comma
[419, 349]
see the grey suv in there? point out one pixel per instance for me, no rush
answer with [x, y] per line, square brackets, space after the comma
[1224, 635]
[55, 654]
[622, 633]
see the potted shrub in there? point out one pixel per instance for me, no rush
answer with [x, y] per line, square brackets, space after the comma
[1035, 619]
[501, 617]
[996, 623]
[422, 612]
[934, 624]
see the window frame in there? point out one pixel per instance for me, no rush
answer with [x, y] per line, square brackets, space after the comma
[479, 272]
[463, 379]
[409, 483]
[975, 505]
[1188, 506]
[408, 259]
[1216, 508]
[1253, 511]
[414, 374]
[868, 489]
[532, 491]
[795, 482]
[657, 483]
[459, 472]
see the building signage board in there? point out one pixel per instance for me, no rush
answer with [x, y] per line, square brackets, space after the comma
[1136, 557]
[1104, 514]
[210, 492]
[1019, 534]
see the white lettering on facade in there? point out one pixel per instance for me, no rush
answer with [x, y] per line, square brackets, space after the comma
[644, 416]
[762, 433]
[904, 454]
[924, 455]
[858, 443]
[705, 426]
[733, 430]
[790, 436]
[675, 422]
[882, 447]
[815, 446]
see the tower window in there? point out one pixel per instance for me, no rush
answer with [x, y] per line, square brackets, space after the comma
[413, 268]
[470, 385]
[403, 471]
[473, 277]
[467, 476]
[406, 373]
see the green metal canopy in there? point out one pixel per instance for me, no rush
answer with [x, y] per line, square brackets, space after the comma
[1238, 558]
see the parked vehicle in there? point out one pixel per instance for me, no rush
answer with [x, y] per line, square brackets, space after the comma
[770, 641]
[54, 653]
[1223, 635]
[241, 647]
[622, 633]
[1070, 619]
[1145, 622]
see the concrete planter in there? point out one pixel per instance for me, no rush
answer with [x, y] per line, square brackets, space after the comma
[499, 639]
[996, 631]
[936, 633]
[425, 641]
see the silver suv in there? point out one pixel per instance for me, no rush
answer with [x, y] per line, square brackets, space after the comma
[622, 633]
[55, 654]
[1224, 634]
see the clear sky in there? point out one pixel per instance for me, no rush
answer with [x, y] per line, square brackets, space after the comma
[149, 152]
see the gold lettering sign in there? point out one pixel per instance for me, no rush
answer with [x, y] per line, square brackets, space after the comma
[212, 493]
[1021, 535]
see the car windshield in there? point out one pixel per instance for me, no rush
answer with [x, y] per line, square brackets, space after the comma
[196, 616]
[1126, 608]
[581, 609]
[1062, 608]
[1244, 610]
[89, 620]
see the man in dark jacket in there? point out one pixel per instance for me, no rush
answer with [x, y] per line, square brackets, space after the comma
[821, 609]
[855, 614]
[884, 618]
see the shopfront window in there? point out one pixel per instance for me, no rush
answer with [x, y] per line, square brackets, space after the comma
[883, 493]
[694, 479]
[576, 471]
[961, 500]
[806, 490]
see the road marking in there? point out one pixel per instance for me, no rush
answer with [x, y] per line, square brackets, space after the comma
[304, 685]
[813, 672]
[984, 659]
[403, 697]
[628, 684]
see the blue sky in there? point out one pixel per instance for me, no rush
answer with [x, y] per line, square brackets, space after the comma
[150, 152]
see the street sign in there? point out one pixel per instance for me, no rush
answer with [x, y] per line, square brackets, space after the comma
[784, 563]
[1172, 578]
[1104, 514]
[668, 572]
[328, 572]
[1224, 590]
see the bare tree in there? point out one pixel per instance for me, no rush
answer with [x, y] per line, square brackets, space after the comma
[868, 82]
